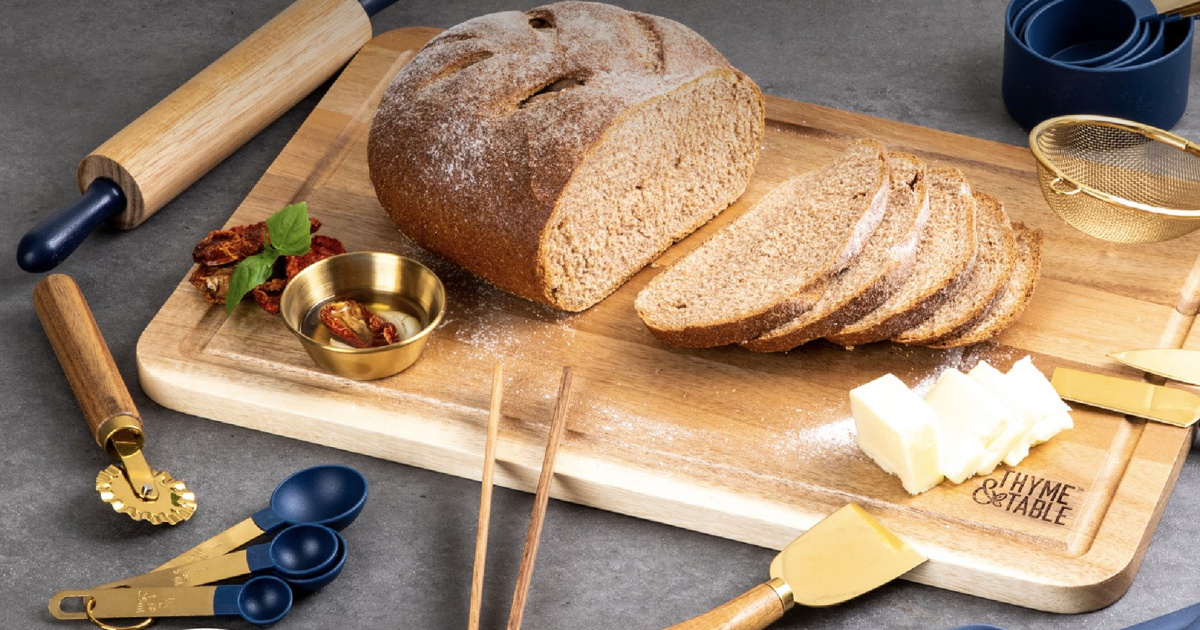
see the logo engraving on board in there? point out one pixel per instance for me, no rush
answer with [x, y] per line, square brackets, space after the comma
[1030, 496]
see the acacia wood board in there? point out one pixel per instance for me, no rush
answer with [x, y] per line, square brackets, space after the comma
[750, 447]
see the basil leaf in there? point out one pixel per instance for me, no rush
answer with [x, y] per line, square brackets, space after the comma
[289, 230]
[249, 273]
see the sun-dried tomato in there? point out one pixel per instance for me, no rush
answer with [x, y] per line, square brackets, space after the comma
[222, 247]
[213, 282]
[355, 324]
[268, 293]
[322, 247]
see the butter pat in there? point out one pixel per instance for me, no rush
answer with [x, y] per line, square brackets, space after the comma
[897, 430]
[968, 420]
[1013, 444]
[966, 425]
[1054, 416]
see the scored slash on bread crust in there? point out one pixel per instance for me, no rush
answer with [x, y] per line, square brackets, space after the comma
[774, 261]
[882, 266]
[981, 285]
[945, 252]
[556, 152]
[1013, 300]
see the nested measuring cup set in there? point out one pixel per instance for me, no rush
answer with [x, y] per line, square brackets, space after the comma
[1125, 58]
[306, 513]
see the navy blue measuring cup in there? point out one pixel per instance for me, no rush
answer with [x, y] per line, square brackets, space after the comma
[1148, 83]
[1088, 33]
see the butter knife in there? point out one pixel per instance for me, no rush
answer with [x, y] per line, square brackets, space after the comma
[1175, 407]
[1177, 365]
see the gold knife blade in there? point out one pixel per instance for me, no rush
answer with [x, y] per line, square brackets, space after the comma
[1175, 407]
[1177, 365]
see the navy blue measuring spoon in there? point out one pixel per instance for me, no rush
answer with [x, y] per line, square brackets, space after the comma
[329, 495]
[262, 601]
[301, 552]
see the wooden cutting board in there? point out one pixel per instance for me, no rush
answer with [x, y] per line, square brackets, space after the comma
[750, 447]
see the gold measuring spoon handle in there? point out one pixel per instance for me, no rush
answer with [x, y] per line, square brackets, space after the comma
[93, 375]
[755, 609]
[207, 571]
[215, 547]
[221, 544]
[126, 603]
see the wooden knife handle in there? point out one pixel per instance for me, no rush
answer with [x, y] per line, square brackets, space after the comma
[85, 358]
[181, 138]
[755, 609]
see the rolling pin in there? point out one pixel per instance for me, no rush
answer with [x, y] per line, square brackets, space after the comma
[164, 151]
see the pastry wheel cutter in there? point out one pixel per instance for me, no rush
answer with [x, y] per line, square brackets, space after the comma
[133, 488]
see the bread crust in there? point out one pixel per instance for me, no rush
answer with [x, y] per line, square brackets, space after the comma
[985, 282]
[919, 309]
[911, 197]
[478, 136]
[1007, 308]
[782, 306]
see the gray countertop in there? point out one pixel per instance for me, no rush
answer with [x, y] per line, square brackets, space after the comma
[74, 72]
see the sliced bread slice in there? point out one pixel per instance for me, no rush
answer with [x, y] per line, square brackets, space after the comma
[945, 252]
[878, 271]
[981, 285]
[773, 262]
[1013, 300]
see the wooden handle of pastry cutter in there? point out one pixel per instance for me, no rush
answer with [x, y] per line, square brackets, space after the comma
[181, 138]
[85, 358]
[755, 609]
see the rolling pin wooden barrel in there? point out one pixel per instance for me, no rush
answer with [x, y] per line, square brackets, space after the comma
[165, 150]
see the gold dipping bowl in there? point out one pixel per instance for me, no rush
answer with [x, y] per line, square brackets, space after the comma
[357, 273]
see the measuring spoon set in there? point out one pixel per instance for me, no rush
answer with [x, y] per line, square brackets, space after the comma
[305, 512]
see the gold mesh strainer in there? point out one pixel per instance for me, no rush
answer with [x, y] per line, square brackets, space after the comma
[1118, 180]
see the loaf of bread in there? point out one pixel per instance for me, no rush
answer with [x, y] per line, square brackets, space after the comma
[774, 262]
[558, 151]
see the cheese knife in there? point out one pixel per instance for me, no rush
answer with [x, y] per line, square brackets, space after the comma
[843, 556]
[165, 150]
[1175, 364]
[1176, 407]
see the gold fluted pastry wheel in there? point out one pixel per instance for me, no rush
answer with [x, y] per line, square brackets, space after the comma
[133, 487]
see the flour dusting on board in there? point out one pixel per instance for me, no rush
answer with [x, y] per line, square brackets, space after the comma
[952, 358]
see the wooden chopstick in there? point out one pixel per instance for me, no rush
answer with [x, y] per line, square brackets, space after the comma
[485, 498]
[541, 499]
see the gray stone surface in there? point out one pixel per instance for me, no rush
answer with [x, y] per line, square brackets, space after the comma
[73, 72]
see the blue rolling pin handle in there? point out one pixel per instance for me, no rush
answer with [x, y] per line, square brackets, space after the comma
[375, 6]
[51, 241]
[262, 601]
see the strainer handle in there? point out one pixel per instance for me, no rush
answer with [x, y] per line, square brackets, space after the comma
[1055, 186]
